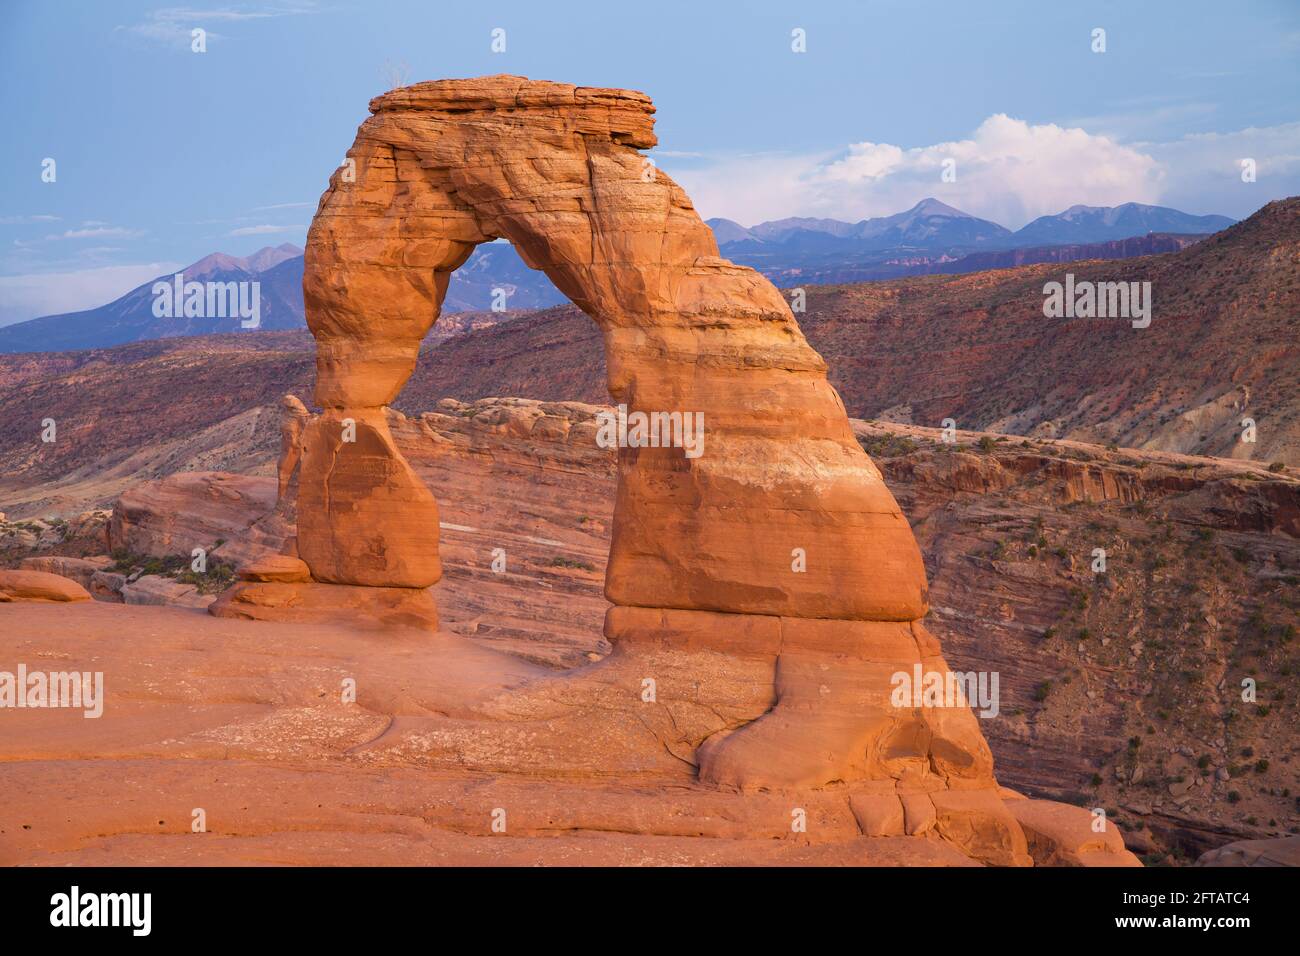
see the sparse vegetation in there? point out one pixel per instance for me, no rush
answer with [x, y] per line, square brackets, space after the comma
[563, 562]
[887, 446]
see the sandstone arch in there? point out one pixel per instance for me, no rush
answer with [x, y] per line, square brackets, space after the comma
[768, 677]
[441, 167]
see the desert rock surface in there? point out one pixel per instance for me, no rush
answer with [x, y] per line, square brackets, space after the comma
[40, 586]
[545, 496]
[222, 751]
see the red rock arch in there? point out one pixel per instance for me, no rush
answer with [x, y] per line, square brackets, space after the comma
[771, 675]
[440, 167]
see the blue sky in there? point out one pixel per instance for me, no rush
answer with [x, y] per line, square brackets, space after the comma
[164, 155]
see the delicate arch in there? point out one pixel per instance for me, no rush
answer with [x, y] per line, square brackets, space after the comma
[769, 587]
[440, 167]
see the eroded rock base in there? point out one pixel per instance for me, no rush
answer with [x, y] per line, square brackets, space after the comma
[308, 602]
[305, 742]
[739, 703]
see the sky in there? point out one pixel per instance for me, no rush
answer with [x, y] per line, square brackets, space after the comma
[163, 155]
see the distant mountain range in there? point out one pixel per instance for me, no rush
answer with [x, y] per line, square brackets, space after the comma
[496, 265]
[931, 224]
[931, 237]
[131, 318]
[1108, 223]
[1222, 346]
[278, 272]
[928, 224]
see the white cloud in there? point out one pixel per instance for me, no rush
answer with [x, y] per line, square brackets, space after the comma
[264, 230]
[30, 296]
[25, 220]
[1008, 170]
[865, 161]
[753, 188]
[1205, 168]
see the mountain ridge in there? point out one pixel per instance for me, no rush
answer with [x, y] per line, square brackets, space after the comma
[1123, 221]
[278, 271]
[931, 237]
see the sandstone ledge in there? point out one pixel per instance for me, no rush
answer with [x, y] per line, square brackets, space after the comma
[39, 586]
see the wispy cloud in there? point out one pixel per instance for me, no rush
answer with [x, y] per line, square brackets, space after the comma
[99, 231]
[26, 220]
[90, 229]
[263, 230]
[1143, 118]
[171, 26]
[285, 205]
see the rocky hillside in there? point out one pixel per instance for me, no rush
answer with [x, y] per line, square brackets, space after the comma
[1122, 688]
[148, 409]
[1223, 345]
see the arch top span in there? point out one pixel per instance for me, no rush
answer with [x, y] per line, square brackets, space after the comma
[625, 116]
[440, 167]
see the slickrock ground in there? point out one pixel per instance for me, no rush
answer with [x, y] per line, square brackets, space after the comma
[1284, 851]
[544, 495]
[252, 732]
[230, 741]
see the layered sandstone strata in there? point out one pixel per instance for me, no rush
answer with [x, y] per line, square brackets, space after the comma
[765, 593]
